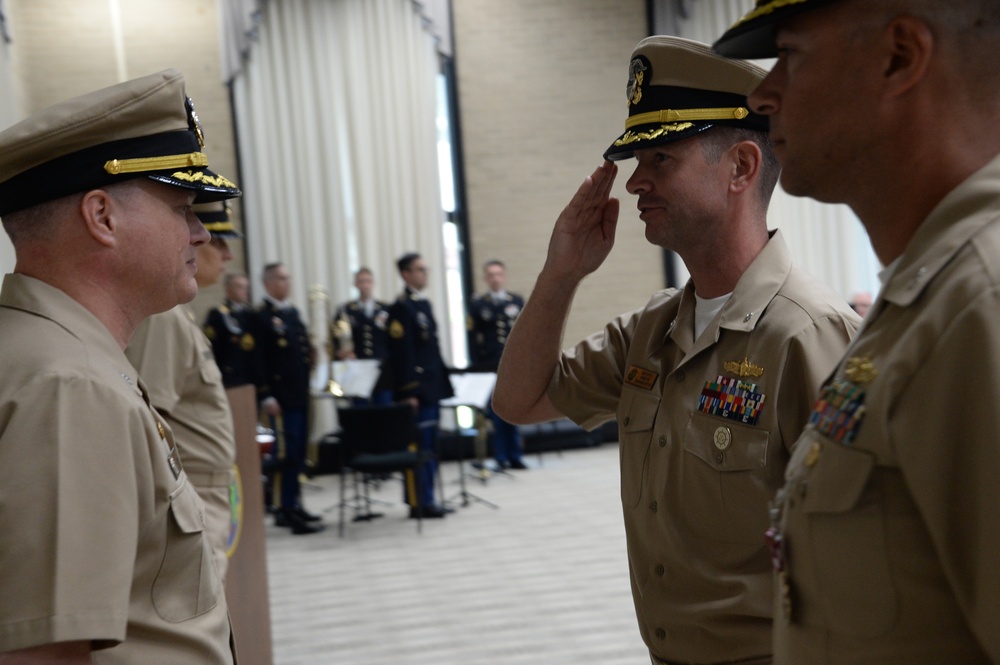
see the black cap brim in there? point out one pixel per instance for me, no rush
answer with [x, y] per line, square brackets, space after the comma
[208, 186]
[752, 37]
[650, 136]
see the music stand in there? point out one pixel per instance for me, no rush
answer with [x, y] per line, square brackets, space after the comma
[349, 379]
[472, 389]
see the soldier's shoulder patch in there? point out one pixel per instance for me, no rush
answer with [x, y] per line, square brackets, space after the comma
[396, 330]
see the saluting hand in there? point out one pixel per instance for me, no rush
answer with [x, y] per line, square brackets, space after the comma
[585, 231]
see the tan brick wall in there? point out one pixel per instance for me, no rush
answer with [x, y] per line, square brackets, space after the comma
[62, 49]
[541, 86]
[542, 94]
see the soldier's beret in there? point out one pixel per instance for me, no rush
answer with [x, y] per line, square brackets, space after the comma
[678, 88]
[752, 36]
[146, 127]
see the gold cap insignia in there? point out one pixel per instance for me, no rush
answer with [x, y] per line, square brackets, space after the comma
[743, 368]
[636, 75]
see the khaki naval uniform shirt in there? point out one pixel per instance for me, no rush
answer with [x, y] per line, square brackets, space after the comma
[706, 427]
[891, 539]
[176, 362]
[101, 533]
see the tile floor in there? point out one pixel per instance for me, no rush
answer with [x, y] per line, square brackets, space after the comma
[542, 579]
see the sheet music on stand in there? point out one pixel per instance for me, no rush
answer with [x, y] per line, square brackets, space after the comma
[471, 389]
[356, 377]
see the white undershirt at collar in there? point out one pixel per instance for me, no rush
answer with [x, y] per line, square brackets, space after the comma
[705, 310]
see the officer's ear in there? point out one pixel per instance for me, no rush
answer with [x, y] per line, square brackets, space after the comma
[101, 215]
[746, 164]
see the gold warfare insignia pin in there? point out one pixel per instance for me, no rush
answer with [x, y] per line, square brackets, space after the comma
[860, 370]
[640, 378]
[743, 368]
[396, 330]
[246, 342]
[210, 332]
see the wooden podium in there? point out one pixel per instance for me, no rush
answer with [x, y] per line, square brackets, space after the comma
[246, 581]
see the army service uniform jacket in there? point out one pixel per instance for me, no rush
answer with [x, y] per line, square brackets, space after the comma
[415, 353]
[367, 335]
[101, 533]
[706, 429]
[285, 355]
[228, 329]
[889, 540]
[489, 324]
[175, 361]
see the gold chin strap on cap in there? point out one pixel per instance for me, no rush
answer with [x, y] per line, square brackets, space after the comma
[142, 164]
[686, 115]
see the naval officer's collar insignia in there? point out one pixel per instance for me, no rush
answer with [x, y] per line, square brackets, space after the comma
[743, 368]
[860, 370]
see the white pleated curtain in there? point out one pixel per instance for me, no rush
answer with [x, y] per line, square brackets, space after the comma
[8, 116]
[336, 119]
[826, 240]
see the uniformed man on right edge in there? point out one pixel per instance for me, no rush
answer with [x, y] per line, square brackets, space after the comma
[710, 385]
[885, 535]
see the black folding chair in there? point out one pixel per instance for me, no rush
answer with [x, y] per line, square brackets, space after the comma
[376, 441]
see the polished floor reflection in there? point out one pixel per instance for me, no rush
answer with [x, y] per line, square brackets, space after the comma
[541, 579]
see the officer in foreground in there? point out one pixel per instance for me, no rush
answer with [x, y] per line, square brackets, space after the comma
[885, 534]
[711, 384]
[102, 535]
